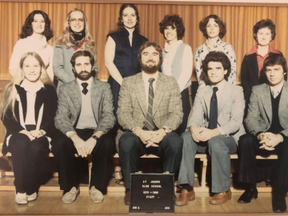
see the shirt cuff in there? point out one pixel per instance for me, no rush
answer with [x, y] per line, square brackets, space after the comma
[68, 133]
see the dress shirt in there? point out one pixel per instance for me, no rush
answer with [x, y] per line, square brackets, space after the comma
[275, 90]
[220, 46]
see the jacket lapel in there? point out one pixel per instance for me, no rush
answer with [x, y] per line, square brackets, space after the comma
[283, 103]
[225, 96]
[75, 93]
[23, 98]
[140, 93]
[95, 99]
[207, 98]
[266, 101]
[159, 92]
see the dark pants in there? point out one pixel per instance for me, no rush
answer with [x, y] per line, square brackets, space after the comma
[131, 148]
[72, 169]
[27, 158]
[248, 149]
[186, 110]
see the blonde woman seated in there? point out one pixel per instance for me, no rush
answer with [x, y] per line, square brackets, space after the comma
[28, 108]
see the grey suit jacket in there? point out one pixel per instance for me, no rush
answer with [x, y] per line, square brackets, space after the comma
[69, 106]
[259, 116]
[132, 104]
[231, 106]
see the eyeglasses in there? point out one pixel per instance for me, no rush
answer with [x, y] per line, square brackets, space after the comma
[76, 20]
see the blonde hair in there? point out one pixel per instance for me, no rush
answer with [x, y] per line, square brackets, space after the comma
[64, 39]
[10, 92]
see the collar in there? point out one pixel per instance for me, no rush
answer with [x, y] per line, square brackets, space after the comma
[89, 81]
[218, 42]
[277, 88]
[38, 43]
[270, 50]
[220, 86]
[147, 76]
[31, 88]
[170, 47]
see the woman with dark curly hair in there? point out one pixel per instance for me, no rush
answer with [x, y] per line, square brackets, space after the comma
[121, 57]
[27, 109]
[35, 33]
[122, 47]
[177, 60]
[252, 64]
[214, 29]
[75, 37]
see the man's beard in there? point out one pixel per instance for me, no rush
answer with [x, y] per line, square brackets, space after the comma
[150, 69]
[83, 75]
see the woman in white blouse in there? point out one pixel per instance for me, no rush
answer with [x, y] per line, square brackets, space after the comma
[177, 60]
[28, 107]
[35, 33]
[213, 28]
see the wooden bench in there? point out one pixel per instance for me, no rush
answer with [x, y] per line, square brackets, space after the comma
[202, 157]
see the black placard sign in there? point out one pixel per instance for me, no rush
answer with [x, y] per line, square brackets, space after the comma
[151, 193]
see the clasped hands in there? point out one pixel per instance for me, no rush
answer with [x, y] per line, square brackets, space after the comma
[269, 140]
[150, 138]
[201, 134]
[84, 148]
[33, 134]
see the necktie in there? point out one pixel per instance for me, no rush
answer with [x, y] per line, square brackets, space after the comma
[84, 90]
[213, 110]
[149, 121]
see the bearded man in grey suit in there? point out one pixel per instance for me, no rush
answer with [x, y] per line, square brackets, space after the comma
[216, 124]
[84, 116]
[149, 110]
[267, 124]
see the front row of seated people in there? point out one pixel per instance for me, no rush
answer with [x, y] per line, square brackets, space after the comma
[149, 110]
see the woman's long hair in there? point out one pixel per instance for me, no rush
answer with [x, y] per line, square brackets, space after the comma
[64, 39]
[10, 92]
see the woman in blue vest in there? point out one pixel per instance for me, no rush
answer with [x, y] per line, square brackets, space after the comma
[177, 60]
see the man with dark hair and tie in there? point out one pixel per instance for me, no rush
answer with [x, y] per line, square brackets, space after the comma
[84, 116]
[149, 110]
[214, 126]
[267, 124]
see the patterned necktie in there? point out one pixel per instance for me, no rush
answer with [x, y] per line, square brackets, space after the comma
[84, 90]
[213, 110]
[149, 121]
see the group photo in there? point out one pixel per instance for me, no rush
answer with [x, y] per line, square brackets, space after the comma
[94, 94]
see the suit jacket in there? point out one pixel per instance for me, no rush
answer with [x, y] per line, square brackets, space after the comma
[249, 74]
[45, 96]
[259, 116]
[69, 106]
[231, 106]
[132, 104]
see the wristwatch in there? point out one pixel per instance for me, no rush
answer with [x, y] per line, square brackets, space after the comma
[95, 137]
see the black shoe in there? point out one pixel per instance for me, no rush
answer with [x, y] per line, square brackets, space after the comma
[248, 195]
[279, 204]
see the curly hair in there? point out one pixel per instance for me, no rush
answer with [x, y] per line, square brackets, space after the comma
[203, 24]
[215, 56]
[64, 39]
[264, 23]
[27, 29]
[174, 21]
[149, 44]
[120, 23]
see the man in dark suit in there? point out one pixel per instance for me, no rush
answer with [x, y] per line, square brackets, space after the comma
[267, 124]
[84, 116]
[149, 110]
[216, 124]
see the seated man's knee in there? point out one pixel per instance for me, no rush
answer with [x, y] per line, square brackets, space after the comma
[216, 145]
[128, 141]
[173, 141]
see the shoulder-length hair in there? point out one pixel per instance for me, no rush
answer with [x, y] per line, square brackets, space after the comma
[215, 56]
[173, 20]
[64, 38]
[120, 23]
[264, 23]
[10, 92]
[203, 24]
[27, 29]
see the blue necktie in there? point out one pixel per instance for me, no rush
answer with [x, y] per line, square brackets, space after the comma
[213, 110]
